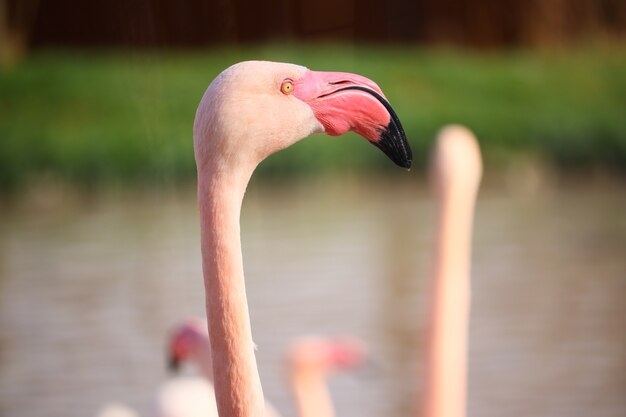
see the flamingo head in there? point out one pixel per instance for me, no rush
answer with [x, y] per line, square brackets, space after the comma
[186, 340]
[256, 108]
[320, 355]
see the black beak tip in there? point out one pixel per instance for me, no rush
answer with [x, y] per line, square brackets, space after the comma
[393, 143]
[404, 163]
[173, 364]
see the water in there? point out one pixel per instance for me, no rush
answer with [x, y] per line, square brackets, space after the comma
[90, 288]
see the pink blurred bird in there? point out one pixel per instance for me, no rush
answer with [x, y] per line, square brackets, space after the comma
[312, 360]
[250, 111]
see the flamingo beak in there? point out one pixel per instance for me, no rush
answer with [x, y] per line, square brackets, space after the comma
[344, 102]
[347, 353]
[173, 363]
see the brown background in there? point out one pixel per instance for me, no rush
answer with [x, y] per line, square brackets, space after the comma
[192, 23]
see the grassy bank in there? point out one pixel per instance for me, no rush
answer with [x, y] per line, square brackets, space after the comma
[92, 118]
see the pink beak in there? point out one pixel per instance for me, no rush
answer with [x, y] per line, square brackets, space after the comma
[345, 102]
[347, 353]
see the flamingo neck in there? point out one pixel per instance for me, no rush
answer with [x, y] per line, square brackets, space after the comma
[311, 394]
[446, 357]
[237, 384]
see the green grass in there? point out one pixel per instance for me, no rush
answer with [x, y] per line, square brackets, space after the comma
[93, 118]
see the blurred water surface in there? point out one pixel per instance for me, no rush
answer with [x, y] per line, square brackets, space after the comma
[89, 290]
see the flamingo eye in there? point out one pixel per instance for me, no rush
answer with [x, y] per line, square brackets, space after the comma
[286, 87]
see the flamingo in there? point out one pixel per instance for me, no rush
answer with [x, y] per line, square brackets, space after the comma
[189, 342]
[250, 111]
[456, 173]
[311, 361]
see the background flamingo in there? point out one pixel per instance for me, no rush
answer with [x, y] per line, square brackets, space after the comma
[456, 172]
[312, 360]
[251, 110]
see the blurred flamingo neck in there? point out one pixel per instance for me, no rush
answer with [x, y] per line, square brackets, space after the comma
[237, 383]
[446, 363]
[457, 173]
[311, 393]
[454, 243]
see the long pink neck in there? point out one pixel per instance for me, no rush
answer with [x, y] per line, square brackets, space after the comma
[237, 384]
[311, 394]
[446, 352]
[445, 391]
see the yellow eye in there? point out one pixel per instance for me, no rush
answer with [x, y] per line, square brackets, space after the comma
[287, 86]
